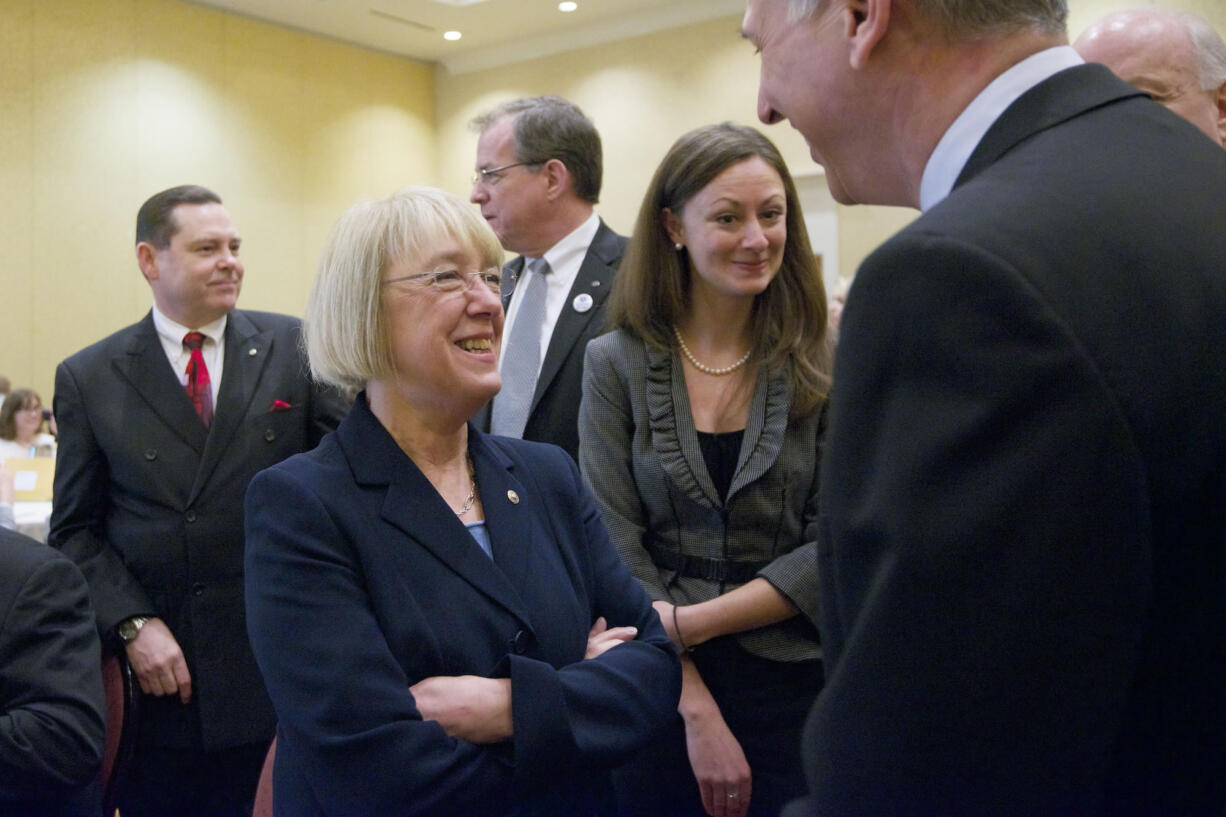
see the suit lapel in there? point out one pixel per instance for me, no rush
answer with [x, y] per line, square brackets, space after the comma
[145, 367]
[1057, 99]
[594, 279]
[412, 505]
[247, 353]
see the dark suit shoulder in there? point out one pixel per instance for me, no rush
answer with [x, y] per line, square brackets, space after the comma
[544, 460]
[265, 321]
[20, 556]
[111, 345]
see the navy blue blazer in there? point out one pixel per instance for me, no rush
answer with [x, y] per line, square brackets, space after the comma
[361, 581]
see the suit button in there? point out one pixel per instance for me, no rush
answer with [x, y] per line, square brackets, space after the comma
[270, 435]
[190, 516]
[197, 589]
[151, 454]
[519, 644]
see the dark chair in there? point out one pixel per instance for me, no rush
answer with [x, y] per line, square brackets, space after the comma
[122, 699]
[263, 792]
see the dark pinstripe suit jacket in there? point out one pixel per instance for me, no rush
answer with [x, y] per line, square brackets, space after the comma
[639, 452]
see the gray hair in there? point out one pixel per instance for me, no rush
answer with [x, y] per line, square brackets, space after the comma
[1208, 49]
[968, 19]
[550, 127]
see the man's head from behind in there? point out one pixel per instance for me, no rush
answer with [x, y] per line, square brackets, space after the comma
[1175, 57]
[538, 171]
[857, 77]
[187, 249]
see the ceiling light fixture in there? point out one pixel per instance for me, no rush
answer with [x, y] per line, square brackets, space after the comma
[452, 35]
[567, 5]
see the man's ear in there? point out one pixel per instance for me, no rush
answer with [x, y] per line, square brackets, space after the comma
[146, 258]
[557, 178]
[866, 22]
[1221, 114]
[672, 225]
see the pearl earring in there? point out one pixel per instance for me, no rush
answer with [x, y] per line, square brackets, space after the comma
[679, 246]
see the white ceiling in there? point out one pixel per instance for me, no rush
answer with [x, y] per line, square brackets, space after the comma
[495, 32]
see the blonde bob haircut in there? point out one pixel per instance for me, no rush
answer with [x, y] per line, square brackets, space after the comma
[651, 291]
[345, 330]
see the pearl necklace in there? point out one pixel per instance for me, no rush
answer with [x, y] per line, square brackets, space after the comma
[472, 491]
[685, 350]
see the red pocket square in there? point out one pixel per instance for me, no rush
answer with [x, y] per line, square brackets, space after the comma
[280, 405]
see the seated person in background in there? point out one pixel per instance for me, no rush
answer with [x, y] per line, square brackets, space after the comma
[428, 604]
[1175, 57]
[700, 432]
[21, 427]
[51, 710]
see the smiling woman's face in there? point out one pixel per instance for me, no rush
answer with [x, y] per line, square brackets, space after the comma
[734, 230]
[444, 344]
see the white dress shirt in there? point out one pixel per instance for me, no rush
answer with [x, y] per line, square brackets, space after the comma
[214, 348]
[564, 258]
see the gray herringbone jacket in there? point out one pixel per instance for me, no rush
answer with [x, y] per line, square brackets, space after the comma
[640, 454]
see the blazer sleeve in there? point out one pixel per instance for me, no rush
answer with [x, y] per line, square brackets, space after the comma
[304, 578]
[606, 435]
[596, 711]
[794, 574]
[82, 502]
[986, 591]
[51, 721]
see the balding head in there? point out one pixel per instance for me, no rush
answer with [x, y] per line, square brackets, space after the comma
[1176, 58]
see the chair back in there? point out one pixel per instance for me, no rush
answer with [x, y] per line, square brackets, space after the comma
[263, 792]
[121, 699]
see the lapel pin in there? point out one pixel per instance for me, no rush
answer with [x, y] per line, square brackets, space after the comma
[595, 283]
[514, 497]
[582, 302]
[251, 352]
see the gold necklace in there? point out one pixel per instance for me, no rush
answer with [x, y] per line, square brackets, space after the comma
[685, 350]
[472, 491]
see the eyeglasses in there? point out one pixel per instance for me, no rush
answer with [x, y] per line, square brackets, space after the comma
[31, 409]
[451, 281]
[492, 175]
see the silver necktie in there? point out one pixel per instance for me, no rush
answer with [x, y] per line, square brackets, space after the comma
[521, 359]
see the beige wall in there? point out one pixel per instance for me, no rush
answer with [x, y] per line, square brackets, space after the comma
[645, 92]
[104, 103]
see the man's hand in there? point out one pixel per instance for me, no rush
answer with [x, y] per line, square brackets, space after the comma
[158, 661]
[601, 639]
[468, 707]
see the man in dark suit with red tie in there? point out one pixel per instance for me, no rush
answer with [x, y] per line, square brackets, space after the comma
[162, 425]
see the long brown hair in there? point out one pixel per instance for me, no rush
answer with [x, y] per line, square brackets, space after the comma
[652, 288]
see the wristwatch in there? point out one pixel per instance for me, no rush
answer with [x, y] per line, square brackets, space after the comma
[129, 628]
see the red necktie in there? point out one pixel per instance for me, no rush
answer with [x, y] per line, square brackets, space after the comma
[198, 388]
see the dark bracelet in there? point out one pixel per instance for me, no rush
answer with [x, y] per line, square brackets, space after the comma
[685, 648]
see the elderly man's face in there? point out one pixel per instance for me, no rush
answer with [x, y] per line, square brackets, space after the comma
[1155, 54]
[806, 79]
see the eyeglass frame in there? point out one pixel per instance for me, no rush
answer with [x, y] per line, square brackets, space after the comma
[494, 274]
[490, 176]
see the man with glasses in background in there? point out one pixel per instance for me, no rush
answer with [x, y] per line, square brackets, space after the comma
[538, 176]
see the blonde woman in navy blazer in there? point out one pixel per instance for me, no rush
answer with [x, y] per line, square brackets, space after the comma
[428, 604]
[700, 431]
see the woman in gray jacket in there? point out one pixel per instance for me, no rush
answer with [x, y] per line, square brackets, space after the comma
[700, 432]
